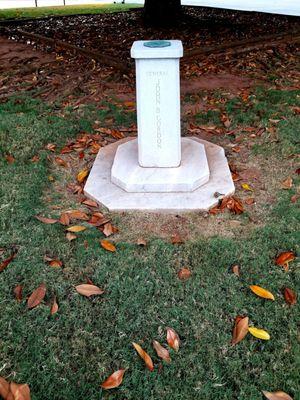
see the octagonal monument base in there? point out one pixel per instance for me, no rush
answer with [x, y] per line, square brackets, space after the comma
[192, 172]
[100, 188]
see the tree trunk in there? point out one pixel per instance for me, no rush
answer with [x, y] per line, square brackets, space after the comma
[161, 12]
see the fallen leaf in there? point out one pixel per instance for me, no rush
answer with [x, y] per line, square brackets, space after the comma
[108, 229]
[250, 201]
[236, 270]
[54, 306]
[261, 292]
[20, 391]
[107, 245]
[46, 220]
[18, 292]
[289, 296]
[60, 161]
[114, 380]
[76, 228]
[4, 388]
[287, 183]
[36, 296]
[173, 339]
[55, 263]
[6, 262]
[51, 147]
[10, 159]
[259, 333]
[233, 204]
[82, 175]
[141, 242]
[77, 214]
[285, 258]
[35, 158]
[277, 395]
[64, 219]
[240, 329]
[145, 356]
[89, 203]
[245, 186]
[88, 290]
[184, 273]
[161, 351]
[71, 236]
[176, 239]
[295, 198]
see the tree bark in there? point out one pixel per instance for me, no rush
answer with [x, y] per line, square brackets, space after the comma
[162, 12]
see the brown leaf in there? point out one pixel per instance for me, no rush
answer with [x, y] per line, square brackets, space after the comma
[88, 290]
[289, 296]
[141, 242]
[184, 273]
[173, 339]
[287, 183]
[18, 292]
[145, 356]
[277, 395]
[284, 258]
[51, 147]
[236, 270]
[10, 159]
[60, 161]
[55, 263]
[4, 388]
[176, 239]
[107, 245]
[250, 201]
[240, 329]
[20, 391]
[233, 204]
[114, 380]
[46, 220]
[161, 351]
[54, 306]
[6, 262]
[82, 175]
[64, 219]
[89, 203]
[77, 214]
[71, 236]
[108, 229]
[76, 228]
[36, 296]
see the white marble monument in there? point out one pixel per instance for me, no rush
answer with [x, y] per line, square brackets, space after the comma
[159, 171]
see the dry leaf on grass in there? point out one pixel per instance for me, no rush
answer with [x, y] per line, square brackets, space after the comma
[107, 245]
[10, 159]
[259, 333]
[64, 219]
[18, 292]
[77, 214]
[240, 329]
[289, 296]
[4, 388]
[82, 175]
[161, 351]
[55, 263]
[36, 296]
[236, 270]
[184, 273]
[71, 236]
[89, 203]
[277, 395]
[20, 391]
[54, 306]
[245, 186]
[7, 261]
[114, 380]
[108, 229]
[173, 339]
[60, 161]
[287, 183]
[145, 356]
[76, 228]
[46, 220]
[88, 290]
[141, 242]
[284, 258]
[261, 292]
[176, 239]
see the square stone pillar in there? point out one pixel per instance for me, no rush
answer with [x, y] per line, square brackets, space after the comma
[158, 102]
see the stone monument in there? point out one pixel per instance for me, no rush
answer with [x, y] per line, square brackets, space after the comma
[159, 171]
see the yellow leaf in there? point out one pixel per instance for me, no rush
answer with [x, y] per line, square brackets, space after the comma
[76, 228]
[107, 245]
[82, 175]
[261, 292]
[259, 333]
[245, 186]
[145, 356]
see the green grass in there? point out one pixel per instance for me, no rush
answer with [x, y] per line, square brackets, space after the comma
[68, 355]
[37, 12]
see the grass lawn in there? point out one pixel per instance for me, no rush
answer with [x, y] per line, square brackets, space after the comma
[66, 356]
[37, 12]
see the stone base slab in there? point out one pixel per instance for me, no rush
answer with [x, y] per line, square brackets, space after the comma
[100, 188]
[192, 172]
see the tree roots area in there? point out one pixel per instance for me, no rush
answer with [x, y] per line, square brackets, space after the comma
[68, 89]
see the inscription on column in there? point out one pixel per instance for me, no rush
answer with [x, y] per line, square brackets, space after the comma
[158, 75]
